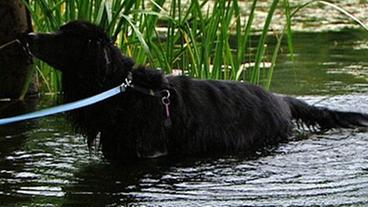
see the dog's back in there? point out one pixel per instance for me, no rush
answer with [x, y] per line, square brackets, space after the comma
[226, 116]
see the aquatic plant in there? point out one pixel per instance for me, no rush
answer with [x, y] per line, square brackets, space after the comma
[207, 39]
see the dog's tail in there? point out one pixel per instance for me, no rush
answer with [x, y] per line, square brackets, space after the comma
[324, 118]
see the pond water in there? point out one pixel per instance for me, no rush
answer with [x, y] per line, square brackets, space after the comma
[44, 163]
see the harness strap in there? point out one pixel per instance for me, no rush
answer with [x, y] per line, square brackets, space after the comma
[143, 90]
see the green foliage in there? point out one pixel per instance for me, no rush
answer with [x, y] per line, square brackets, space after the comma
[206, 39]
[197, 34]
[192, 36]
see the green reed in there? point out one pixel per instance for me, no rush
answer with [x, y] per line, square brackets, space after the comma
[201, 38]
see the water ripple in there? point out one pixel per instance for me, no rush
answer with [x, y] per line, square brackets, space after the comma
[53, 165]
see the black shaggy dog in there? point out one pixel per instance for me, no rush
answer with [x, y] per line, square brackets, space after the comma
[168, 115]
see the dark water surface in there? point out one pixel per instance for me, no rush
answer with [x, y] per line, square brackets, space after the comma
[44, 163]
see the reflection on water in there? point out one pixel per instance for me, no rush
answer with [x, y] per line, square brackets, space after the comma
[325, 63]
[43, 162]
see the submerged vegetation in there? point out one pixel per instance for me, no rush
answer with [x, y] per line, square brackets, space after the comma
[201, 38]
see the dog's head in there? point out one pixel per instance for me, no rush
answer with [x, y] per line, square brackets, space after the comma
[90, 64]
[78, 47]
[68, 46]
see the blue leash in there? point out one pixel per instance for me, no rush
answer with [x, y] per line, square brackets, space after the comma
[67, 107]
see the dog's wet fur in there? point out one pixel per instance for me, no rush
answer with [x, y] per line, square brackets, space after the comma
[207, 117]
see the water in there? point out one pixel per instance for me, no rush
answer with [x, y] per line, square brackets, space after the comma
[44, 163]
[48, 164]
[328, 63]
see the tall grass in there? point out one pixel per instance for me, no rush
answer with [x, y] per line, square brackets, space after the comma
[196, 36]
[192, 36]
